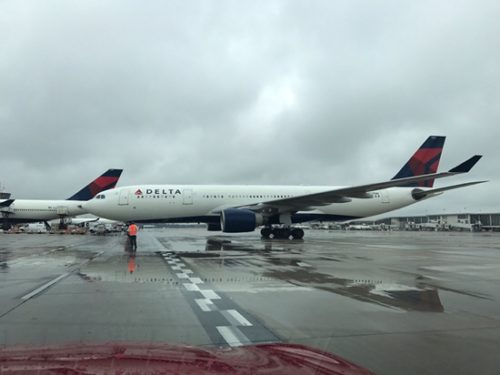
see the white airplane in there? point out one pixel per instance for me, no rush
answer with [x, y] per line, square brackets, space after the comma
[235, 209]
[86, 221]
[15, 211]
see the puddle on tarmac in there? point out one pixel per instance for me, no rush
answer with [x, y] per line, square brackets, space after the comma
[393, 295]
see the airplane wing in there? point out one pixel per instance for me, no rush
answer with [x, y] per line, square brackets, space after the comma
[345, 194]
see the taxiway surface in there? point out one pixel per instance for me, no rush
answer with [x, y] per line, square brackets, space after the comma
[395, 303]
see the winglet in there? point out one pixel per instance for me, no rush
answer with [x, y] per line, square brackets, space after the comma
[467, 165]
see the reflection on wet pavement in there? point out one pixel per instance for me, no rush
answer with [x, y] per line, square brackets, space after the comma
[367, 296]
[297, 272]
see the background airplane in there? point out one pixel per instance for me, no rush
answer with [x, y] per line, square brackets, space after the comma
[15, 211]
[235, 209]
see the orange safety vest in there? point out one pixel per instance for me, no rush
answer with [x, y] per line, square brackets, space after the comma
[132, 230]
[131, 265]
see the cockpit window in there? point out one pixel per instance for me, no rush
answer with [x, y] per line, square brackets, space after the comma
[100, 196]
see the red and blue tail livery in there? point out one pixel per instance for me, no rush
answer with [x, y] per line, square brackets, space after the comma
[106, 181]
[424, 161]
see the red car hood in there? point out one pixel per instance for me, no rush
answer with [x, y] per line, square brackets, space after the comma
[135, 358]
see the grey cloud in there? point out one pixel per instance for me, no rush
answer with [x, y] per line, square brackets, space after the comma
[281, 92]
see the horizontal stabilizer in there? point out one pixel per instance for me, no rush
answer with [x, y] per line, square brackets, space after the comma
[467, 165]
[7, 203]
[420, 194]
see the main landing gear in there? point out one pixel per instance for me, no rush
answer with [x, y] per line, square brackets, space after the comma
[6, 225]
[283, 233]
[63, 223]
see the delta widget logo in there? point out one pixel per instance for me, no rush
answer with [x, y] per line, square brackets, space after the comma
[139, 193]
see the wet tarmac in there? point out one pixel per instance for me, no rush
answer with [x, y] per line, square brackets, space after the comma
[395, 303]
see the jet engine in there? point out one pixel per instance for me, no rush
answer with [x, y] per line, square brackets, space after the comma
[213, 227]
[234, 220]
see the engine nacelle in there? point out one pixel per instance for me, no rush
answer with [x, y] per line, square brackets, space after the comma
[417, 194]
[234, 220]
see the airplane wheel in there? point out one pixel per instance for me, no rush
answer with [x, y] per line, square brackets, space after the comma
[281, 233]
[297, 233]
[265, 232]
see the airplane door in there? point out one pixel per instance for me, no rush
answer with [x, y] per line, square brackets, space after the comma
[123, 199]
[187, 196]
[384, 197]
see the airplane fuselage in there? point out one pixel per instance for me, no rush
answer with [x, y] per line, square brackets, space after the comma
[204, 203]
[33, 210]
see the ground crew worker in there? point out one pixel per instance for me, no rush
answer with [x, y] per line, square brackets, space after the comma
[132, 235]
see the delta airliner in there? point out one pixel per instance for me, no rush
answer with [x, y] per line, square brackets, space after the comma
[234, 209]
[15, 211]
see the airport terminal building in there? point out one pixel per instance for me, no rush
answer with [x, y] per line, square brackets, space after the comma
[458, 222]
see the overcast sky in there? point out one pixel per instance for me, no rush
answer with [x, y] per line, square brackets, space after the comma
[247, 92]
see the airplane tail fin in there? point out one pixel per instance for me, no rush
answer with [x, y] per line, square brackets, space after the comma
[424, 161]
[107, 180]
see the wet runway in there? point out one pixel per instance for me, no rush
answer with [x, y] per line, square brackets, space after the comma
[395, 303]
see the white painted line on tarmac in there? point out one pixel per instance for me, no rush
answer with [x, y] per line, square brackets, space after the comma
[205, 304]
[182, 275]
[187, 270]
[192, 287]
[195, 280]
[240, 319]
[44, 286]
[303, 264]
[229, 335]
[209, 294]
